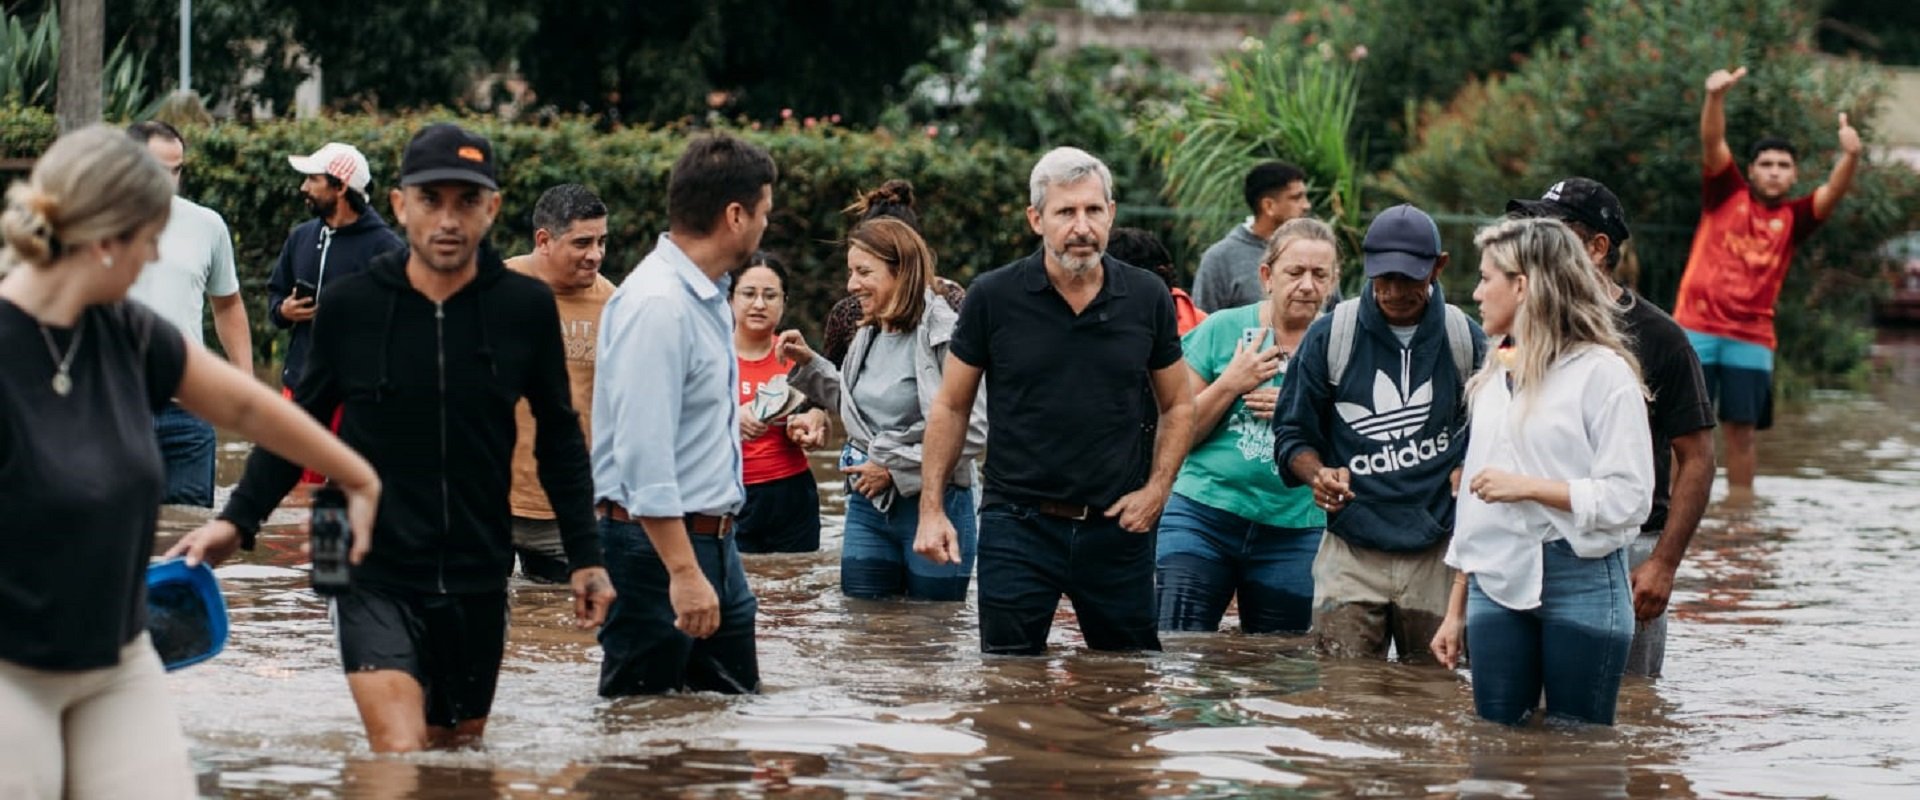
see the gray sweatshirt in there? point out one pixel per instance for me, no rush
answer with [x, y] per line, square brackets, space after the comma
[1229, 274]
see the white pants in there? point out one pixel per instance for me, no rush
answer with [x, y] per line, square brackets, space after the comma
[102, 733]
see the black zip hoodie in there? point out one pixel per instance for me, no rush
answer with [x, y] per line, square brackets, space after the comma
[427, 392]
[317, 254]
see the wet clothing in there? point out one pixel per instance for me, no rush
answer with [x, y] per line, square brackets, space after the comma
[427, 393]
[780, 516]
[1229, 273]
[1738, 376]
[80, 482]
[1741, 251]
[1206, 557]
[317, 254]
[1572, 647]
[1396, 418]
[542, 555]
[1029, 559]
[451, 643]
[187, 445]
[877, 560]
[645, 654]
[1649, 651]
[1680, 403]
[106, 732]
[1366, 599]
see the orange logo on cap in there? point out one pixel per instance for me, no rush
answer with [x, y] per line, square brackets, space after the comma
[471, 153]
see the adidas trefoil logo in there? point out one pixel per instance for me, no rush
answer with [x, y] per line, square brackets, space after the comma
[1395, 415]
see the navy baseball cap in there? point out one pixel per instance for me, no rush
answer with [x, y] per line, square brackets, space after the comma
[447, 152]
[1402, 240]
[1581, 200]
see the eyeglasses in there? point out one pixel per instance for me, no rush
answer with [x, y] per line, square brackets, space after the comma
[770, 296]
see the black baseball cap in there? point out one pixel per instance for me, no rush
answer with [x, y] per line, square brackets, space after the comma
[1581, 200]
[447, 152]
[1403, 240]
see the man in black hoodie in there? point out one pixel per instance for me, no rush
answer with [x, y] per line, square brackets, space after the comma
[426, 353]
[342, 239]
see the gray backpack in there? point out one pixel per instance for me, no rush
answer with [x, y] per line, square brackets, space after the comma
[1346, 323]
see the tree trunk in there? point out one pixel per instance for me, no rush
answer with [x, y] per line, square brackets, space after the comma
[83, 26]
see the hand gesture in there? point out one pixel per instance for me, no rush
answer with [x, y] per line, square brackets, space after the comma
[1250, 368]
[1849, 138]
[1332, 488]
[808, 430]
[750, 426]
[1139, 510]
[935, 539]
[792, 346]
[592, 596]
[1721, 80]
[870, 480]
[1260, 402]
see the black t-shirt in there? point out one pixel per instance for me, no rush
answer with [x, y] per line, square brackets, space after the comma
[1064, 399]
[80, 483]
[1672, 373]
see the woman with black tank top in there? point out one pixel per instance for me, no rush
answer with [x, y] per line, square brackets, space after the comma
[83, 704]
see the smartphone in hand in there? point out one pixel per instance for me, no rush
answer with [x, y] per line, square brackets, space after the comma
[305, 290]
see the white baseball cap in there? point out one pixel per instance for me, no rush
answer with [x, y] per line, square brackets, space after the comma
[342, 161]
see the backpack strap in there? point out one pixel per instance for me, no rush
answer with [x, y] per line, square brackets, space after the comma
[1346, 322]
[1460, 340]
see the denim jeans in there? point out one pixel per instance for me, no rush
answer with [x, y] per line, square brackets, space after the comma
[1028, 559]
[1574, 645]
[187, 449]
[1206, 556]
[645, 654]
[876, 555]
[1649, 651]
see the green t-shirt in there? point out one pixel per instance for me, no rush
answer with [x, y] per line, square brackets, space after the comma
[1232, 469]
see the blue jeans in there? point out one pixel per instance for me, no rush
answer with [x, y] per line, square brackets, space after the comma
[1206, 556]
[877, 559]
[1574, 645]
[645, 654]
[1029, 559]
[187, 449]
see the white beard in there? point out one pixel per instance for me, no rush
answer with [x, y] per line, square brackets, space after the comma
[1075, 264]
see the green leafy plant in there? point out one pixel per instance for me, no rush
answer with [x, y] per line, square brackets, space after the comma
[30, 65]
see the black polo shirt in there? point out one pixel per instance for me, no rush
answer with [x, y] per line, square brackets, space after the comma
[1672, 373]
[1065, 398]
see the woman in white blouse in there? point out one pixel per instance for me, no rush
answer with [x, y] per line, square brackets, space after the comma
[1559, 473]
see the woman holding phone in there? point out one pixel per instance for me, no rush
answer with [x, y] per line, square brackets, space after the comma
[1231, 528]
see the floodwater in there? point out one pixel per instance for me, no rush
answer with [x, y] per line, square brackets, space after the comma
[1789, 674]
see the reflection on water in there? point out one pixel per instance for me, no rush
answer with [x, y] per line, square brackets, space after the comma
[1789, 675]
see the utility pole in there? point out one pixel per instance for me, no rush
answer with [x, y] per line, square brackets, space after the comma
[186, 46]
[83, 25]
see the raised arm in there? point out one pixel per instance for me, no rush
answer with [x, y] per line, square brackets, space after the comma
[1714, 153]
[1841, 179]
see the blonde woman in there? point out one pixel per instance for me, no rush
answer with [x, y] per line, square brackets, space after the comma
[1231, 528]
[83, 705]
[1558, 478]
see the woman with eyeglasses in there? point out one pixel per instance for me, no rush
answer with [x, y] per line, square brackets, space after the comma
[782, 511]
[884, 392]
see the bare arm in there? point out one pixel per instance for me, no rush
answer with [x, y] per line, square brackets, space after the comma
[230, 324]
[1714, 153]
[1841, 179]
[946, 432]
[1692, 483]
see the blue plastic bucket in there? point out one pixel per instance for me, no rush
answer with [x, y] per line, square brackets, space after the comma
[186, 615]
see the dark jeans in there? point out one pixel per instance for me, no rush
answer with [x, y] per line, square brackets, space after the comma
[780, 516]
[1206, 556]
[1574, 645]
[645, 654]
[187, 449]
[1028, 559]
[877, 560]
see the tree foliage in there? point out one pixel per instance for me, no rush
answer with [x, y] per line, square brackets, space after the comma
[1621, 104]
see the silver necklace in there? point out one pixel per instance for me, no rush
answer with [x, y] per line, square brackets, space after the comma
[63, 364]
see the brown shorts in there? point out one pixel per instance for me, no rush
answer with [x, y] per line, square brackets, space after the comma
[1364, 599]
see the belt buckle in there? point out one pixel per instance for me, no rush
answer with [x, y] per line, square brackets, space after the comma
[1085, 511]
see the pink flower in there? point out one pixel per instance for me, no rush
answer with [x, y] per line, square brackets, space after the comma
[835, 119]
[810, 122]
[933, 131]
[786, 113]
[1359, 52]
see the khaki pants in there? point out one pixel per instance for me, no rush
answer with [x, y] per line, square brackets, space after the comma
[1364, 599]
[101, 733]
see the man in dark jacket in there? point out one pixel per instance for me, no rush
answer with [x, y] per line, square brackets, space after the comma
[1373, 416]
[426, 353]
[342, 238]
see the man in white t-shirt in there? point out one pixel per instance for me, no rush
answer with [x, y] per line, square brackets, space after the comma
[196, 263]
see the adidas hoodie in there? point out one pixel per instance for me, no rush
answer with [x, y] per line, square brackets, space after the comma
[1397, 420]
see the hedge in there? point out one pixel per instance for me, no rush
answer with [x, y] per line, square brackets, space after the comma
[972, 196]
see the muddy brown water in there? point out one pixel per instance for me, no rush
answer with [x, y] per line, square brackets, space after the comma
[1790, 673]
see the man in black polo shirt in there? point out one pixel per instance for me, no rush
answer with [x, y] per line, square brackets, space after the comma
[1067, 340]
[1680, 414]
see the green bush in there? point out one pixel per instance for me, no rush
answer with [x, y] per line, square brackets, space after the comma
[1621, 104]
[973, 195]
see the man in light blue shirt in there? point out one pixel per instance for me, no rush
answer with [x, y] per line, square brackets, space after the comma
[666, 455]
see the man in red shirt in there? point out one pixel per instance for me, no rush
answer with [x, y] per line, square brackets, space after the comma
[1746, 238]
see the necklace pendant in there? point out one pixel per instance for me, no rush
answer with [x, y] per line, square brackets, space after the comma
[62, 384]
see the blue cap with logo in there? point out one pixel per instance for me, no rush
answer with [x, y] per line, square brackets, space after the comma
[1403, 241]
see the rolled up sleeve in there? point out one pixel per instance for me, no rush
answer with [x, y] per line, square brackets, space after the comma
[643, 352]
[1617, 495]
